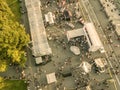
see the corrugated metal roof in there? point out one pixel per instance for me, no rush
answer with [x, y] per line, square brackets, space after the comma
[37, 29]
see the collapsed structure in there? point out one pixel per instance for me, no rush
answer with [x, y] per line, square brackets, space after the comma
[37, 29]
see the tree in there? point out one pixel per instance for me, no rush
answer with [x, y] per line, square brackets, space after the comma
[3, 66]
[13, 38]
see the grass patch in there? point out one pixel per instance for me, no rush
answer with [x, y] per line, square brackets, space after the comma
[15, 8]
[13, 85]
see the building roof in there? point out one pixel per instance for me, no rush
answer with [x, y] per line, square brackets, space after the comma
[116, 23]
[110, 9]
[100, 62]
[37, 29]
[49, 17]
[92, 36]
[51, 78]
[118, 29]
[74, 33]
[85, 66]
[113, 14]
[38, 60]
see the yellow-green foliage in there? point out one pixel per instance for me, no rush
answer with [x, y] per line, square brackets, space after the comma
[13, 85]
[14, 5]
[3, 66]
[13, 37]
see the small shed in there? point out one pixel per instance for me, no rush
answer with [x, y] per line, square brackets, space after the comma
[38, 60]
[51, 78]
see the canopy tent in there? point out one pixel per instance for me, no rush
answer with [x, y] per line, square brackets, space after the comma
[51, 78]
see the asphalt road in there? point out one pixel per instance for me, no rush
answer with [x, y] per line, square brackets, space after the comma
[100, 20]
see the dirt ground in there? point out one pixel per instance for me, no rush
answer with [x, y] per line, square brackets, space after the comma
[62, 56]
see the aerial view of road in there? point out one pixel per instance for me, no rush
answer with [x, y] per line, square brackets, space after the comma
[74, 45]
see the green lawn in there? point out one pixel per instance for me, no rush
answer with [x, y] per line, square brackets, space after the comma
[13, 85]
[15, 8]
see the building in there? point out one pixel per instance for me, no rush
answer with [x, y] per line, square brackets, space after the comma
[51, 78]
[100, 64]
[74, 33]
[37, 29]
[92, 37]
[49, 18]
[116, 25]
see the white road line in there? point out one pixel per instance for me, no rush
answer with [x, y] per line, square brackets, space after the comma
[113, 68]
[105, 38]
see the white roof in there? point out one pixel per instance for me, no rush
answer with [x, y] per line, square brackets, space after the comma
[116, 23]
[91, 34]
[51, 78]
[75, 50]
[114, 14]
[100, 62]
[118, 29]
[49, 17]
[38, 60]
[74, 33]
[85, 66]
[37, 29]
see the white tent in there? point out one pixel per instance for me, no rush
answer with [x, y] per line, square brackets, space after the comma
[51, 78]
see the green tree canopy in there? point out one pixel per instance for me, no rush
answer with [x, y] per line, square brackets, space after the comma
[13, 38]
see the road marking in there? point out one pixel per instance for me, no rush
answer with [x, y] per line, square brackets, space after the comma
[112, 77]
[113, 69]
[105, 36]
